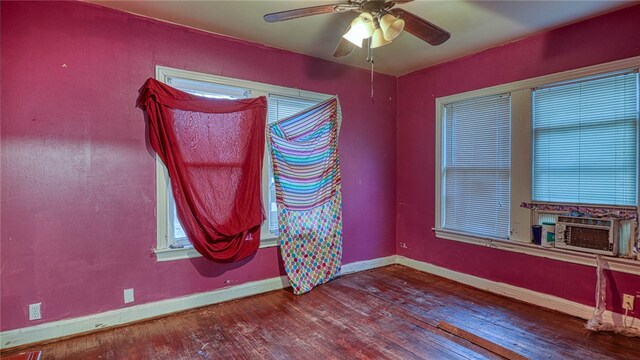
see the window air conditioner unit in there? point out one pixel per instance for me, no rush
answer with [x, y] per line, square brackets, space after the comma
[598, 236]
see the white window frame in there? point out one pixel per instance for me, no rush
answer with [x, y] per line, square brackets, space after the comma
[521, 166]
[163, 223]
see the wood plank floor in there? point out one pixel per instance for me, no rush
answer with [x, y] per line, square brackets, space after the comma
[386, 313]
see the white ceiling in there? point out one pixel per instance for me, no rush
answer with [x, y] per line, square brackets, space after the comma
[474, 25]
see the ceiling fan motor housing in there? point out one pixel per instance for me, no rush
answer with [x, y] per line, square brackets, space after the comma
[374, 7]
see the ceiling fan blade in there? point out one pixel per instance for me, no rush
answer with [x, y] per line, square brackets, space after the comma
[402, 1]
[302, 12]
[421, 28]
[344, 48]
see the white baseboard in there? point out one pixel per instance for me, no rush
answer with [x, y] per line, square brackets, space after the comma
[529, 296]
[367, 264]
[67, 327]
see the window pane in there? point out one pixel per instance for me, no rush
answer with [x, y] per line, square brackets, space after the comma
[476, 166]
[209, 90]
[585, 141]
[177, 236]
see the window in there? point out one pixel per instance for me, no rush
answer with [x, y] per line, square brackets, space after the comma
[172, 242]
[476, 166]
[560, 139]
[176, 237]
[585, 141]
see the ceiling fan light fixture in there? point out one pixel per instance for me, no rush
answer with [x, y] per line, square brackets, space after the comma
[391, 26]
[362, 27]
[378, 40]
[353, 38]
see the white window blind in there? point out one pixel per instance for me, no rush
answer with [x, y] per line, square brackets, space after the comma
[280, 107]
[476, 166]
[585, 141]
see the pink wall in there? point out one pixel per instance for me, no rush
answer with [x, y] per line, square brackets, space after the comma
[78, 180]
[602, 39]
[78, 191]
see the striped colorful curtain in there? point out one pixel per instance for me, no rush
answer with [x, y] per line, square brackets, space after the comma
[304, 151]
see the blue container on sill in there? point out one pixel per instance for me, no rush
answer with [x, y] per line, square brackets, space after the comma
[536, 230]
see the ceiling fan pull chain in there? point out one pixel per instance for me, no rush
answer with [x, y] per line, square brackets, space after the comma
[370, 59]
[372, 80]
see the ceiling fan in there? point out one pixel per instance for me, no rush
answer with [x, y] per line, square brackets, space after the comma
[377, 21]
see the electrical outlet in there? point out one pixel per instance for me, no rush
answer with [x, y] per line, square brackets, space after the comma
[627, 302]
[128, 295]
[34, 311]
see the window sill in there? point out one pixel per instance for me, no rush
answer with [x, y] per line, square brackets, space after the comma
[186, 253]
[629, 266]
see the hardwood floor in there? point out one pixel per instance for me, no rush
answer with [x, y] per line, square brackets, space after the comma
[386, 313]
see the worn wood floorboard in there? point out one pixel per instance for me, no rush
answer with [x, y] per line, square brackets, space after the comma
[386, 313]
[568, 332]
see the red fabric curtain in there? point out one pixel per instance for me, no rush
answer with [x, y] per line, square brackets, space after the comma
[213, 150]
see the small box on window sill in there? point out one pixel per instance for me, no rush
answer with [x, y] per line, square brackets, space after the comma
[548, 238]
